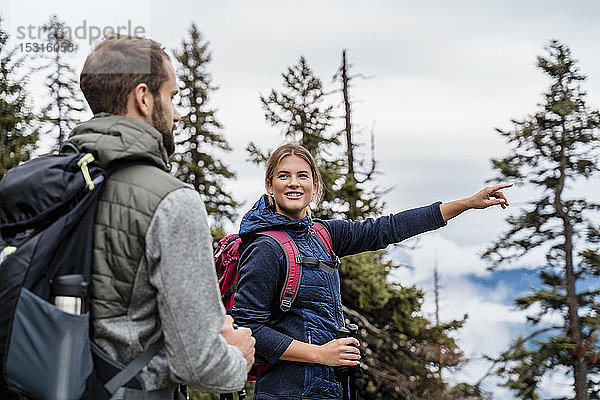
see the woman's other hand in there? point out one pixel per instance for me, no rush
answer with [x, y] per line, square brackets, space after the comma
[338, 352]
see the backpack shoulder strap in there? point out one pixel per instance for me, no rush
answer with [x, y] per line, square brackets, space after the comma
[130, 370]
[325, 237]
[294, 267]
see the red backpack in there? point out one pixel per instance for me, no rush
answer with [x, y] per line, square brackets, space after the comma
[227, 257]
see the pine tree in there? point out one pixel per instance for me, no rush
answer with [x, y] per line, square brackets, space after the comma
[552, 149]
[360, 202]
[300, 111]
[66, 103]
[394, 370]
[199, 137]
[18, 129]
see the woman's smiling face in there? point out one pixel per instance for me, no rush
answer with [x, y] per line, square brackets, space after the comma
[292, 187]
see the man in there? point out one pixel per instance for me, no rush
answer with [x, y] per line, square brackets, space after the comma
[153, 273]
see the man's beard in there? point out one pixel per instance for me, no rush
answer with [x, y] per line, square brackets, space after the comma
[163, 126]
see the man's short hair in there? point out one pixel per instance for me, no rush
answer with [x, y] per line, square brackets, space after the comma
[116, 66]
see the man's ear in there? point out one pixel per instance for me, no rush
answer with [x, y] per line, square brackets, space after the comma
[143, 99]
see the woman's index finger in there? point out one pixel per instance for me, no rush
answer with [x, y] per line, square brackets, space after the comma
[501, 186]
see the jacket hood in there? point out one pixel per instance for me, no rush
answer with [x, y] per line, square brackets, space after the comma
[262, 217]
[113, 137]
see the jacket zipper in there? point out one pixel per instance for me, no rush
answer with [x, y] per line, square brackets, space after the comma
[329, 277]
[334, 298]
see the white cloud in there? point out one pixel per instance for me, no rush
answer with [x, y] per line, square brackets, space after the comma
[556, 384]
[489, 330]
[493, 320]
[453, 260]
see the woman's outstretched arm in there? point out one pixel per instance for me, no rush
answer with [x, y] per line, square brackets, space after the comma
[487, 197]
[352, 237]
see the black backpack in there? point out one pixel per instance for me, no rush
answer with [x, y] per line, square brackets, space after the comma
[47, 210]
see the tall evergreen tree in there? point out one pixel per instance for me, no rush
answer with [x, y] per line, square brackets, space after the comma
[552, 149]
[360, 202]
[199, 137]
[65, 105]
[300, 110]
[18, 129]
[394, 369]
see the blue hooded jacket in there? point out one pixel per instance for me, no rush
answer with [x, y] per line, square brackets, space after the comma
[316, 313]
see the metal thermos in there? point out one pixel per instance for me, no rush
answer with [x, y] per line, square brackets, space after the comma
[69, 293]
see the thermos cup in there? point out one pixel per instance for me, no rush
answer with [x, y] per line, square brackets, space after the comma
[69, 293]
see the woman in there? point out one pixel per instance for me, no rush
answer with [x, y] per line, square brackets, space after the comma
[300, 344]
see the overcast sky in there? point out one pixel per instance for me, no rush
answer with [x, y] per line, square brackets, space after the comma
[442, 76]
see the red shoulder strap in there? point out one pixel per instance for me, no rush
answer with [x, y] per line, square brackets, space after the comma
[294, 267]
[323, 234]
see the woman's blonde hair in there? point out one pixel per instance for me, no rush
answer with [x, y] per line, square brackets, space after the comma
[297, 150]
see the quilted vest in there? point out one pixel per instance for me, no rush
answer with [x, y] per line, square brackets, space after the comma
[126, 205]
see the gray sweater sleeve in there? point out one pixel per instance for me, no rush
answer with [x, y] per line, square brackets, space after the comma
[181, 267]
